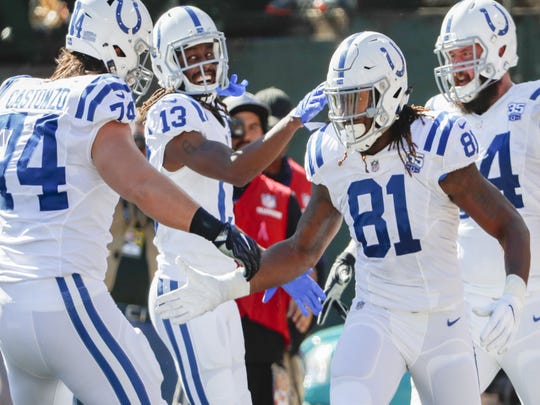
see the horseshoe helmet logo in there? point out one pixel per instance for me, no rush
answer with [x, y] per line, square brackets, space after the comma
[120, 21]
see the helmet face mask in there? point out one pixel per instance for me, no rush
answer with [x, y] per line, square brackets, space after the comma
[140, 78]
[366, 88]
[117, 32]
[351, 112]
[177, 31]
[488, 29]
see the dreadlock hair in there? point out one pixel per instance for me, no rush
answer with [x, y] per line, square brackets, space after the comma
[400, 132]
[72, 63]
[153, 99]
[215, 109]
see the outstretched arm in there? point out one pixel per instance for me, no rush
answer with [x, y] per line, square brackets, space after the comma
[125, 170]
[280, 264]
[218, 161]
[122, 166]
[284, 261]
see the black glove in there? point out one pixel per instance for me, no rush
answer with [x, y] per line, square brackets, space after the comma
[338, 278]
[240, 247]
[228, 240]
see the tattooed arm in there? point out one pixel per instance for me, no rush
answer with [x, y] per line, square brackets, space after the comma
[217, 160]
[285, 260]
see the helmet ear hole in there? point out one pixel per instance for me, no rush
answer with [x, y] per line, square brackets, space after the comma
[502, 50]
[119, 52]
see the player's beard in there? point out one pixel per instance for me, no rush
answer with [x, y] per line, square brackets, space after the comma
[483, 100]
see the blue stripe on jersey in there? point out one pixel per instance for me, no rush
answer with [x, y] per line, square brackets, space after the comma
[535, 95]
[318, 150]
[173, 285]
[111, 342]
[221, 201]
[194, 18]
[90, 345]
[309, 157]
[433, 131]
[94, 102]
[444, 133]
[84, 95]
[199, 109]
[193, 364]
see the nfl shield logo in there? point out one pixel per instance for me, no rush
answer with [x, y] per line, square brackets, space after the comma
[268, 201]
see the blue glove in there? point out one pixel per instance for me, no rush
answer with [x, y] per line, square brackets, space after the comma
[312, 104]
[304, 291]
[234, 89]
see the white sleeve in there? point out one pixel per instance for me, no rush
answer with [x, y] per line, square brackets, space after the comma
[106, 98]
[462, 147]
[173, 114]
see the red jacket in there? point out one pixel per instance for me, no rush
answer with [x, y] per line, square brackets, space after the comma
[262, 213]
[299, 183]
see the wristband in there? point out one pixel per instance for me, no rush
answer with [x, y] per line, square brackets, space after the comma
[205, 224]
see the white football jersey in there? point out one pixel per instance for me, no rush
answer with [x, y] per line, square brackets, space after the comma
[55, 209]
[509, 156]
[405, 225]
[169, 117]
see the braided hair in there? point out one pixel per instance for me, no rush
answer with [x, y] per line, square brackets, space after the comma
[72, 63]
[400, 132]
[153, 99]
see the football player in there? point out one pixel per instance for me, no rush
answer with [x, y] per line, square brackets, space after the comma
[66, 154]
[189, 139]
[397, 174]
[476, 48]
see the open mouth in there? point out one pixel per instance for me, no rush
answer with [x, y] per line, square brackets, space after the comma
[205, 79]
[461, 79]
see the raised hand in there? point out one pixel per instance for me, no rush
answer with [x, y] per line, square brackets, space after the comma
[338, 278]
[234, 88]
[312, 103]
[304, 291]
